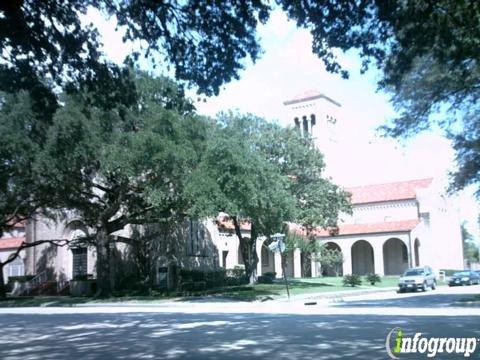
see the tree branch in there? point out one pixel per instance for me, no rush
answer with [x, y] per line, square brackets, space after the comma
[26, 245]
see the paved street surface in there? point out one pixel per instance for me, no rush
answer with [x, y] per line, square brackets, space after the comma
[353, 328]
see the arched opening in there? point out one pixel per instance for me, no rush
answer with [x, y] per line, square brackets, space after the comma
[306, 264]
[332, 266]
[267, 258]
[305, 126]
[416, 251]
[395, 257]
[79, 253]
[362, 258]
[288, 258]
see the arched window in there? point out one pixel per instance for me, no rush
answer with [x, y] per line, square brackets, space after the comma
[16, 268]
[79, 253]
[265, 258]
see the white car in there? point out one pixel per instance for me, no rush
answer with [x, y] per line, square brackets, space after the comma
[417, 278]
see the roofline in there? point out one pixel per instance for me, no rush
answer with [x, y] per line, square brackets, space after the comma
[382, 201]
[309, 98]
[366, 233]
[388, 183]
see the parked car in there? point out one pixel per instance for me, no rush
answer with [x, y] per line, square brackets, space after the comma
[417, 278]
[466, 277]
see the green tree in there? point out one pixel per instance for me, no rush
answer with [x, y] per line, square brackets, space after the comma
[314, 250]
[470, 249]
[262, 174]
[22, 191]
[123, 166]
[332, 258]
[205, 42]
[234, 177]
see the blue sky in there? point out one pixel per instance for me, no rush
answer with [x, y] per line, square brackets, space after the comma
[287, 68]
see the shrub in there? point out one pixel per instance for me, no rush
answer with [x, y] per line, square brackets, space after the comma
[264, 279]
[352, 280]
[210, 279]
[237, 272]
[373, 278]
[82, 277]
[192, 275]
[215, 278]
[236, 276]
[21, 279]
[271, 275]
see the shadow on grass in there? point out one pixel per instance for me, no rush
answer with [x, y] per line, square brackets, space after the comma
[31, 301]
[304, 284]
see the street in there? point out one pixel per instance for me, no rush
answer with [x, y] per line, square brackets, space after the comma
[353, 328]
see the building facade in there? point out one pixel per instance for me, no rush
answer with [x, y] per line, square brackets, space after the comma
[393, 226]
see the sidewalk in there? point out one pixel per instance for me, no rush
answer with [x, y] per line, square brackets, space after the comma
[336, 296]
[324, 298]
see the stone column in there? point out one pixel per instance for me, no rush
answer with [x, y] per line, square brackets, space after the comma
[314, 266]
[278, 265]
[297, 263]
[378, 258]
[347, 257]
[259, 255]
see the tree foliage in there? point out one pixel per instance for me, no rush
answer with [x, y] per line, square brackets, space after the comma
[234, 177]
[470, 248]
[21, 191]
[122, 166]
[266, 176]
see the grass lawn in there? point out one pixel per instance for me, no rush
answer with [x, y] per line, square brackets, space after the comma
[302, 286]
[299, 287]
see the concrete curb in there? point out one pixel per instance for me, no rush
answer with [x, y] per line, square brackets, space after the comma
[336, 295]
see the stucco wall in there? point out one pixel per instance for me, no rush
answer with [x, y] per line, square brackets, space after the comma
[381, 212]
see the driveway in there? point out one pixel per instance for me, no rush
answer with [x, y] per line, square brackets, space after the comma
[355, 328]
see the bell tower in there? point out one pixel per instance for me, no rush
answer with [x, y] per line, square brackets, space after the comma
[315, 114]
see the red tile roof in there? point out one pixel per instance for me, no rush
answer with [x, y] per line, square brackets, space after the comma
[226, 223]
[17, 224]
[403, 190]
[308, 96]
[356, 229]
[11, 243]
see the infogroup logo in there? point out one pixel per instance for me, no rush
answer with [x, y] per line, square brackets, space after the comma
[397, 343]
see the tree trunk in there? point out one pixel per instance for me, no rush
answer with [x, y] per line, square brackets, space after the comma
[250, 258]
[104, 287]
[249, 251]
[253, 254]
[3, 288]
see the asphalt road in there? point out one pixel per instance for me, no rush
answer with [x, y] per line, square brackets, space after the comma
[355, 328]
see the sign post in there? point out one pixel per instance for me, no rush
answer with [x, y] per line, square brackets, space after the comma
[278, 245]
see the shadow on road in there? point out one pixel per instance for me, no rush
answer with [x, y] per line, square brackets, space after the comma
[211, 336]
